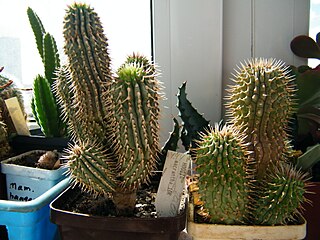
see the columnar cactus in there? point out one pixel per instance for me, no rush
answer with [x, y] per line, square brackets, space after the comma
[43, 104]
[260, 105]
[279, 196]
[222, 161]
[136, 96]
[112, 119]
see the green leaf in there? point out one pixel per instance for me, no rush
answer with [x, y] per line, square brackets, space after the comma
[45, 107]
[37, 28]
[308, 84]
[50, 57]
[307, 160]
[193, 122]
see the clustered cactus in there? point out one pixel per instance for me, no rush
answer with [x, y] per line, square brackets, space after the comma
[113, 120]
[43, 104]
[244, 171]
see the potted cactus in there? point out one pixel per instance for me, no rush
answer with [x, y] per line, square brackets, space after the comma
[44, 105]
[46, 111]
[113, 121]
[245, 186]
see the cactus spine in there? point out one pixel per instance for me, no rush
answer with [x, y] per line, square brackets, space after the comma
[222, 160]
[280, 195]
[113, 120]
[136, 94]
[260, 105]
[44, 106]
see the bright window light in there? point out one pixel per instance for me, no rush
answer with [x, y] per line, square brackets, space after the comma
[314, 26]
[126, 24]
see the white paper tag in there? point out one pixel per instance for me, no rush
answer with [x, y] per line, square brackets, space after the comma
[17, 117]
[172, 184]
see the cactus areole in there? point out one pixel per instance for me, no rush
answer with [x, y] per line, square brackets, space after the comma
[112, 119]
[261, 103]
[245, 174]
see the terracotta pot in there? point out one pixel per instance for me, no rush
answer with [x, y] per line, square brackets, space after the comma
[74, 226]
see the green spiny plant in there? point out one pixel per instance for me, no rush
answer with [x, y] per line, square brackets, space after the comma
[43, 104]
[222, 161]
[170, 144]
[113, 120]
[260, 105]
[192, 121]
[9, 90]
[279, 196]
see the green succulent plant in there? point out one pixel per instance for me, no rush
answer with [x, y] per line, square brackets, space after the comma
[113, 120]
[306, 134]
[222, 162]
[192, 122]
[244, 166]
[261, 103]
[43, 104]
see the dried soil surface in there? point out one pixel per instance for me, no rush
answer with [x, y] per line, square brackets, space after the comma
[100, 206]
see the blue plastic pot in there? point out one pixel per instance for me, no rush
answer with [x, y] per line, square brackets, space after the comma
[31, 220]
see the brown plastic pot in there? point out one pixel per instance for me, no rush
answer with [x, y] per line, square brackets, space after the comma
[75, 226]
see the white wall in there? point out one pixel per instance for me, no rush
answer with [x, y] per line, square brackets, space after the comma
[188, 47]
[262, 28]
[202, 41]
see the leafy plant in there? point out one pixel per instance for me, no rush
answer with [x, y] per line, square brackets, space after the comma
[307, 135]
[192, 122]
[44, 106]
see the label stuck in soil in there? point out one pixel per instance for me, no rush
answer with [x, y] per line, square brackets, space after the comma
[172, 184]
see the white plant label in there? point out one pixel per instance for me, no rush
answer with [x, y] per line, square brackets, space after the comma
[17, 117]
[172, 184]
